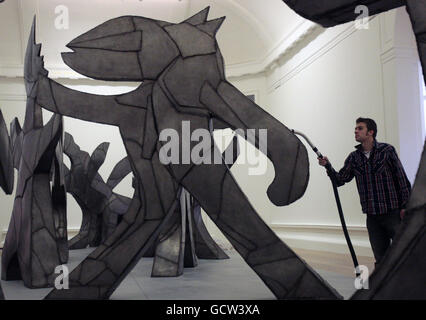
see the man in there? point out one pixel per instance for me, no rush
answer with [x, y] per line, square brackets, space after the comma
[382, 184]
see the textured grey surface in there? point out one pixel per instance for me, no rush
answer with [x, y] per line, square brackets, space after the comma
[79, 179]
[101, 207]
[36, 241]
[330, 13]
[172, 250]
[6, 165]
[6, 158]
[402, 274]
[417, 11]
[185, 236]
[172, 92]
[16, 136]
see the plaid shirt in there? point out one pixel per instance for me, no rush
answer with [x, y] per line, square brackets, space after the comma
[382, 184]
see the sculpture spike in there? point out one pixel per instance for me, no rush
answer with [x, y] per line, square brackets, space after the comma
[211, 27]
[199, 17]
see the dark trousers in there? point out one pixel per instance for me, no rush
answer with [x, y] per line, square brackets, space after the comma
[381, 231]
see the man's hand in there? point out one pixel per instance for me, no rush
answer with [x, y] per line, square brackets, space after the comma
[322, 161]
[402, 214]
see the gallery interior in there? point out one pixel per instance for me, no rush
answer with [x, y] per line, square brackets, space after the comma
[312, 79]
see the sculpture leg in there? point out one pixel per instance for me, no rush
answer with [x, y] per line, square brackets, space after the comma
[190, 257]
[170, 246]
[174, 249]
[205, 246]
[286, 275]
[81, 240]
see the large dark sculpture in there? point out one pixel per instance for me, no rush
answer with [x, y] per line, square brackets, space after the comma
[330, 13]
[183, 79]
[6, 158]
[36, 241]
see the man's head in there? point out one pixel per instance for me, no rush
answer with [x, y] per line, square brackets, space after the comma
[365, 129]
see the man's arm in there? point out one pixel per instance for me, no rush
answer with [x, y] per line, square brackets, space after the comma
[344, 175]
[401, 181]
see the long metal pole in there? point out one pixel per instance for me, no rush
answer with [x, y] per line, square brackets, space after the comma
[333, 179]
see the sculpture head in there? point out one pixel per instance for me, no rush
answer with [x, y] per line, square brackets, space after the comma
[131, 48]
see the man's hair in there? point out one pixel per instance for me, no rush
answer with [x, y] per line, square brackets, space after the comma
[370, 123]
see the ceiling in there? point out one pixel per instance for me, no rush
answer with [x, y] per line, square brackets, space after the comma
[252, 28]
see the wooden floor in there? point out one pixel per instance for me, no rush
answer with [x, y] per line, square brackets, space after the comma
[334, 262]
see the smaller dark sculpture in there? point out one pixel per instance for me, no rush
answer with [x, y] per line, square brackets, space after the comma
[36, 241]
[6, 159]
[16, 136]
[116, 204]
[101, 207]
[6, 165]
[79, 178]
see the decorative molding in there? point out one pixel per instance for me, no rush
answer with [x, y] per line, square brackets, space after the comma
[11, 70]
[55, 72]
[271, 59]
[304, 236]
[313, 56]
[13, 97]
[324, 237]
[408, 53]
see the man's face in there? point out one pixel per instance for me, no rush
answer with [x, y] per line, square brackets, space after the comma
[361, 132]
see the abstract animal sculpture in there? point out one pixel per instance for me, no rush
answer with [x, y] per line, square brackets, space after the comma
[183, 79]
[330, 13]
[36, 241]
[402, 274]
